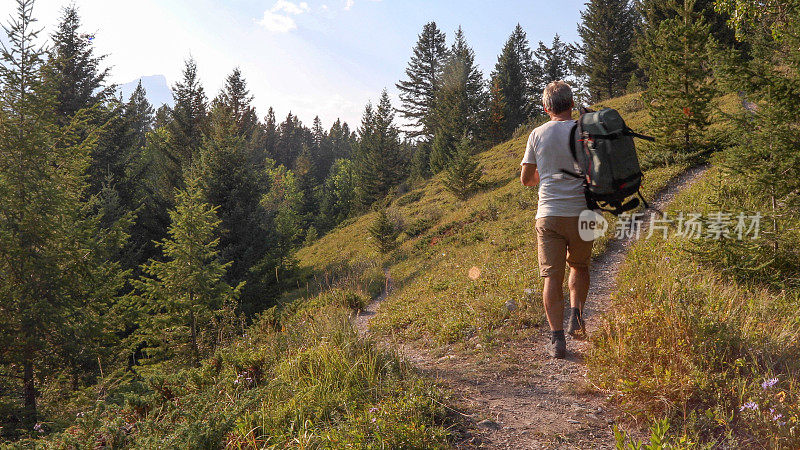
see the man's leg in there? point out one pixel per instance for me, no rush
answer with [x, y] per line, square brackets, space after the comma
[578, 286]
[554, 301]
[578, 257]
[552, 261]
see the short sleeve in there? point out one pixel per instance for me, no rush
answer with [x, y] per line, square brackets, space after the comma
[530, 150]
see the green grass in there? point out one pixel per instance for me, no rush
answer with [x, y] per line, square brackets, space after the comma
[300, 378]
[687, 341]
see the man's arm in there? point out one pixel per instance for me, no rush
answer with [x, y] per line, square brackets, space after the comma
[529, 175]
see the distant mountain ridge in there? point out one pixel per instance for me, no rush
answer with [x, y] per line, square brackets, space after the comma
[158, 91]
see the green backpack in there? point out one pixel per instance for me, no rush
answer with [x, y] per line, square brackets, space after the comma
[602, 146]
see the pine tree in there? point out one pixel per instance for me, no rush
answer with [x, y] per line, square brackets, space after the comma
[379, 161]
[677, 63]
[265, 150]
[653, 12]
[341, 140]
[74, 70]
[765, 159]
[127, 174]
[384, 233]
[291, 137]
[233, 185]
[496, 114]
[418, 92]
[339, 194]
[322, 154]
[518, 81]
[421, 161]
[555, 61]
[75, 74]
[464, 173]
[188, 120]
[237, 99]
[183, 293]
[283, 202]
[56, 278]
[607, 31]
[460, 103]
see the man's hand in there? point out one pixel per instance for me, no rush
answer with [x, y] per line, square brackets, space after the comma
[529, 175]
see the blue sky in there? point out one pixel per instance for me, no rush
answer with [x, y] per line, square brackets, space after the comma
[326, 57]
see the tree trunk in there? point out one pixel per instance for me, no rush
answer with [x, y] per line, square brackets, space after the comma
[195, 350]
[29, 390]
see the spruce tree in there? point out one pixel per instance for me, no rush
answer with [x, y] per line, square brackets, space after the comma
[765, 159]
[56, 278]
[607, 31]
[322, 150]
[235, 186]
[128, 176]
[292, 134]
[554, 62]
[283, 202]
[264, 152]
[82, 96]
[518, 81]
[460, 103]
[188, 119]
[677, 62]
[384, 233]
[464, 173]
[653, 12]
[184, 292]
[338, 197]
[496, 114]
[421, 161]
[237, 99]
[73, 69]
[380, 162]
[418, 92]
[341, 140]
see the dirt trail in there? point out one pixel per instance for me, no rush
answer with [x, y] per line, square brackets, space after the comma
[521, 399]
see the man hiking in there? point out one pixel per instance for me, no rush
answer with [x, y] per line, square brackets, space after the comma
[561, 201]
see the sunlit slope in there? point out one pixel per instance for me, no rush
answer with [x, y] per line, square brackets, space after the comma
[434, 297]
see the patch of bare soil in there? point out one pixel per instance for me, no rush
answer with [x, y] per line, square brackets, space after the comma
[518, 397]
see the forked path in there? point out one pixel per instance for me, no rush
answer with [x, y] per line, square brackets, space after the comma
[518, 398]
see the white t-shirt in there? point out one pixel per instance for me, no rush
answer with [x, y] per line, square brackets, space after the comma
[548, 147]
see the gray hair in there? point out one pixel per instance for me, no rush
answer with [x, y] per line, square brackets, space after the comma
[557, 97]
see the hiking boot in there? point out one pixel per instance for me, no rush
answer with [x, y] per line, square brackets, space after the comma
[557, 347]
[576, 324]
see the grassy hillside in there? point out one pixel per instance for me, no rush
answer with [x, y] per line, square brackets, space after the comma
[703, 341]
[444, 238]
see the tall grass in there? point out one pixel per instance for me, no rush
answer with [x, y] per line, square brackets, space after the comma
[299, 378]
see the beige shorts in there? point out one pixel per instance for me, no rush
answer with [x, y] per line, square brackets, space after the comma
[559, 244]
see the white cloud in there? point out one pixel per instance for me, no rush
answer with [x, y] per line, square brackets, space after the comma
[278, 20]
[349, 4]
[290, 8]
[277, 23]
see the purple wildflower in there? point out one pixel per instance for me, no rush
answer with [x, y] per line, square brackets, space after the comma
[749, 405]
[373, 410]
[769, 383]
[373, 420]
